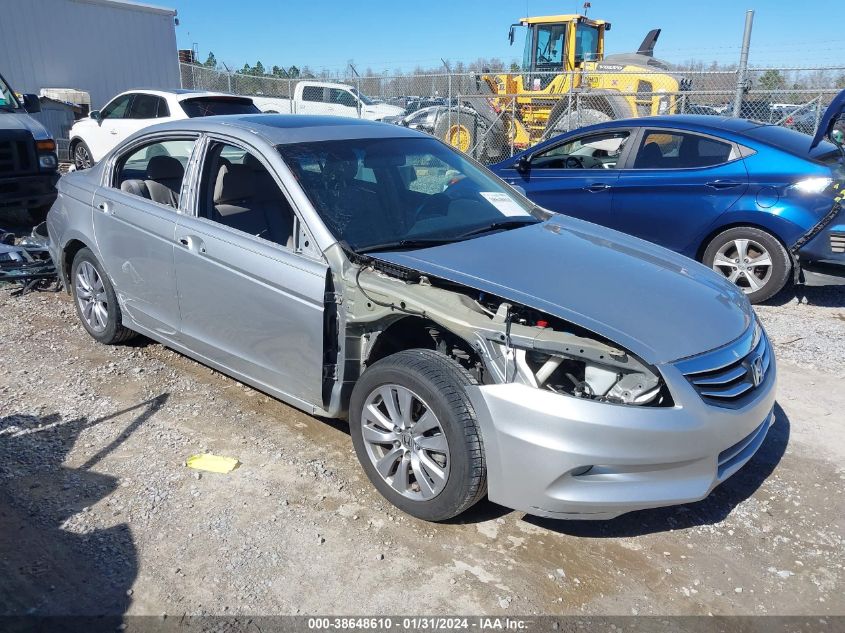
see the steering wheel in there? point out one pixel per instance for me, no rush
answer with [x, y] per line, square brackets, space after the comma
[573, 162]
[434, 206]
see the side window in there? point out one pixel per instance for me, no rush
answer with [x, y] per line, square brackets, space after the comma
[144, 106]
[117, 109]
[596, 151]
[342, 97]
[155, 171]
[163, 111]
[679, 150]
[238, 191]
[312, 93]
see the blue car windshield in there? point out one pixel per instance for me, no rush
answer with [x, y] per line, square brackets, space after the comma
[402, 192]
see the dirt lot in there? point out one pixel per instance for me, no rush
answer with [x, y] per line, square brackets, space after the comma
[99, 514]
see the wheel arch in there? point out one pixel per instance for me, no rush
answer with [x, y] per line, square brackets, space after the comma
[737, 223]
[69, 251]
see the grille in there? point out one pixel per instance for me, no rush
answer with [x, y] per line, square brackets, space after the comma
[837, 242]
[15, 157]
[728, 375]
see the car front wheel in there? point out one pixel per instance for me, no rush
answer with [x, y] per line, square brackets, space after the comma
[752, 259]
[96, 301]
[82, 158]
[416, 436]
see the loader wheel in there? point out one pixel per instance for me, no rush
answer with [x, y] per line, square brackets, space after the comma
[465, 132]
[573, 120]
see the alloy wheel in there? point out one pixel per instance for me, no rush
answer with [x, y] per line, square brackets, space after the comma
[91, 296]
[744, 262]
[405, 442]
[82, 157]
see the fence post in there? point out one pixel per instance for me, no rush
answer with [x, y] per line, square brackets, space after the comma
[449, 105]
[229, 81]
[742, 72]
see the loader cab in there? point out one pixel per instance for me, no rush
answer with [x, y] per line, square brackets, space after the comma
[558, 43]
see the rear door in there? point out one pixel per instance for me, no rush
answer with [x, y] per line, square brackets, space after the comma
[678, 183]
[576, 177]
[143, 112]
[249, 299]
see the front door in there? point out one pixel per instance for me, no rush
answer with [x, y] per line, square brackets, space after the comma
[111, 126]
[576, 177]
[678, 184]
[135, 233]
[248, 300]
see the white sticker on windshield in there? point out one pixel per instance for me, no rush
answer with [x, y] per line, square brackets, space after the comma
[503, 202]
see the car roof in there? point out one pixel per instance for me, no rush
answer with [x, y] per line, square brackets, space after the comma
[697, 122]
[281, 129]
[180, 93]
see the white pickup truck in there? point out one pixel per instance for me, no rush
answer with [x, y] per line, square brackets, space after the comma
[318, 97]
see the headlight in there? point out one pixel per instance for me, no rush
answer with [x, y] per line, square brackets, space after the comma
[47, 162]
[812, 185]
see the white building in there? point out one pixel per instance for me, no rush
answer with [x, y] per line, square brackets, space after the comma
[100, 46]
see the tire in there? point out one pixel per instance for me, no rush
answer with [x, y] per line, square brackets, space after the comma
[465, 132]
[81, 154]
[437, 388]
[732, 253]
[573, 120]
[104, 320]
[38, 214]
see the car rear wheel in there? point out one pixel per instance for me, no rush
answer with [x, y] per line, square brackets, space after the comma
[95, 300]
[752, 259]
[82, 158]
[416, 436]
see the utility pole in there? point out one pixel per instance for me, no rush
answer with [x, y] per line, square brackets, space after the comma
[742, 73]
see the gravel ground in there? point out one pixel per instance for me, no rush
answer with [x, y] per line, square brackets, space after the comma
[98, 513]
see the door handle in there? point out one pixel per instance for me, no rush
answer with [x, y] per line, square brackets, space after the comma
[597, 186]
[723, 184]
[104, 207]
[112, 131]
[193, 243]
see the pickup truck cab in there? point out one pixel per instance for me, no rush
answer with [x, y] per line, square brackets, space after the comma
[319, 97]
[28, 161]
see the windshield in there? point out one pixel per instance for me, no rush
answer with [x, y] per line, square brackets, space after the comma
[364, 98]
[397, 192]
[550, 44]
[212, 106]
[8, 101]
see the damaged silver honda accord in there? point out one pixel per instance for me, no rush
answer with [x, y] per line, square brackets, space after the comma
[476, 343]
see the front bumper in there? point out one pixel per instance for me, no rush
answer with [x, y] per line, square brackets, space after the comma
[28, 192]
[537, 442]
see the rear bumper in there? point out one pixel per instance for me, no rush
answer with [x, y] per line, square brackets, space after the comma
[538, 444]
[822, 258]
[28, 192]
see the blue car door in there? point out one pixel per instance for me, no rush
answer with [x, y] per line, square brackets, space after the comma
[675, 185]
[576, 176]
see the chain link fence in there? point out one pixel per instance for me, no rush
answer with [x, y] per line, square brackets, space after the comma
[493, 115]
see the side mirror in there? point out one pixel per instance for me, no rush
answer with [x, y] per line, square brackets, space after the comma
[31, 103]
[95, 114]
[523, 164]
[510, 35]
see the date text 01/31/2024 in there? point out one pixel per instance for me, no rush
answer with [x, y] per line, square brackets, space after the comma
[418, 623]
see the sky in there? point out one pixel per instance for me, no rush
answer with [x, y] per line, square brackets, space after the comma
[386, 35]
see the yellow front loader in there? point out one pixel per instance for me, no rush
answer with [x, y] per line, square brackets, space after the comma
[566, 82]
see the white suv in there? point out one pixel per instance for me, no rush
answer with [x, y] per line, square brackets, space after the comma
[128, 112]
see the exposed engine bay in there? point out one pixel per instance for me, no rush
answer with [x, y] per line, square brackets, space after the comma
[496, 340]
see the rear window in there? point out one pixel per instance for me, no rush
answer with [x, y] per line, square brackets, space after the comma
[212, 106]
[794, 142]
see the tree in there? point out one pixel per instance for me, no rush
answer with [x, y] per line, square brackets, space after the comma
[771, 80]
[293, 72]
[515, 67]
[211, 61]
[258, 69]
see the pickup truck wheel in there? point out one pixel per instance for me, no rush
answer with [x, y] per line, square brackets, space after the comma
[82, 155]
[752, 259]
[95, 300]
[416, 436]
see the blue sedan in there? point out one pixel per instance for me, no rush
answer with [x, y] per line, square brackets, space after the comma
[758, 203]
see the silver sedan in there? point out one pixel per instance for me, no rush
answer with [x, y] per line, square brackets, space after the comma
[476, 343]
